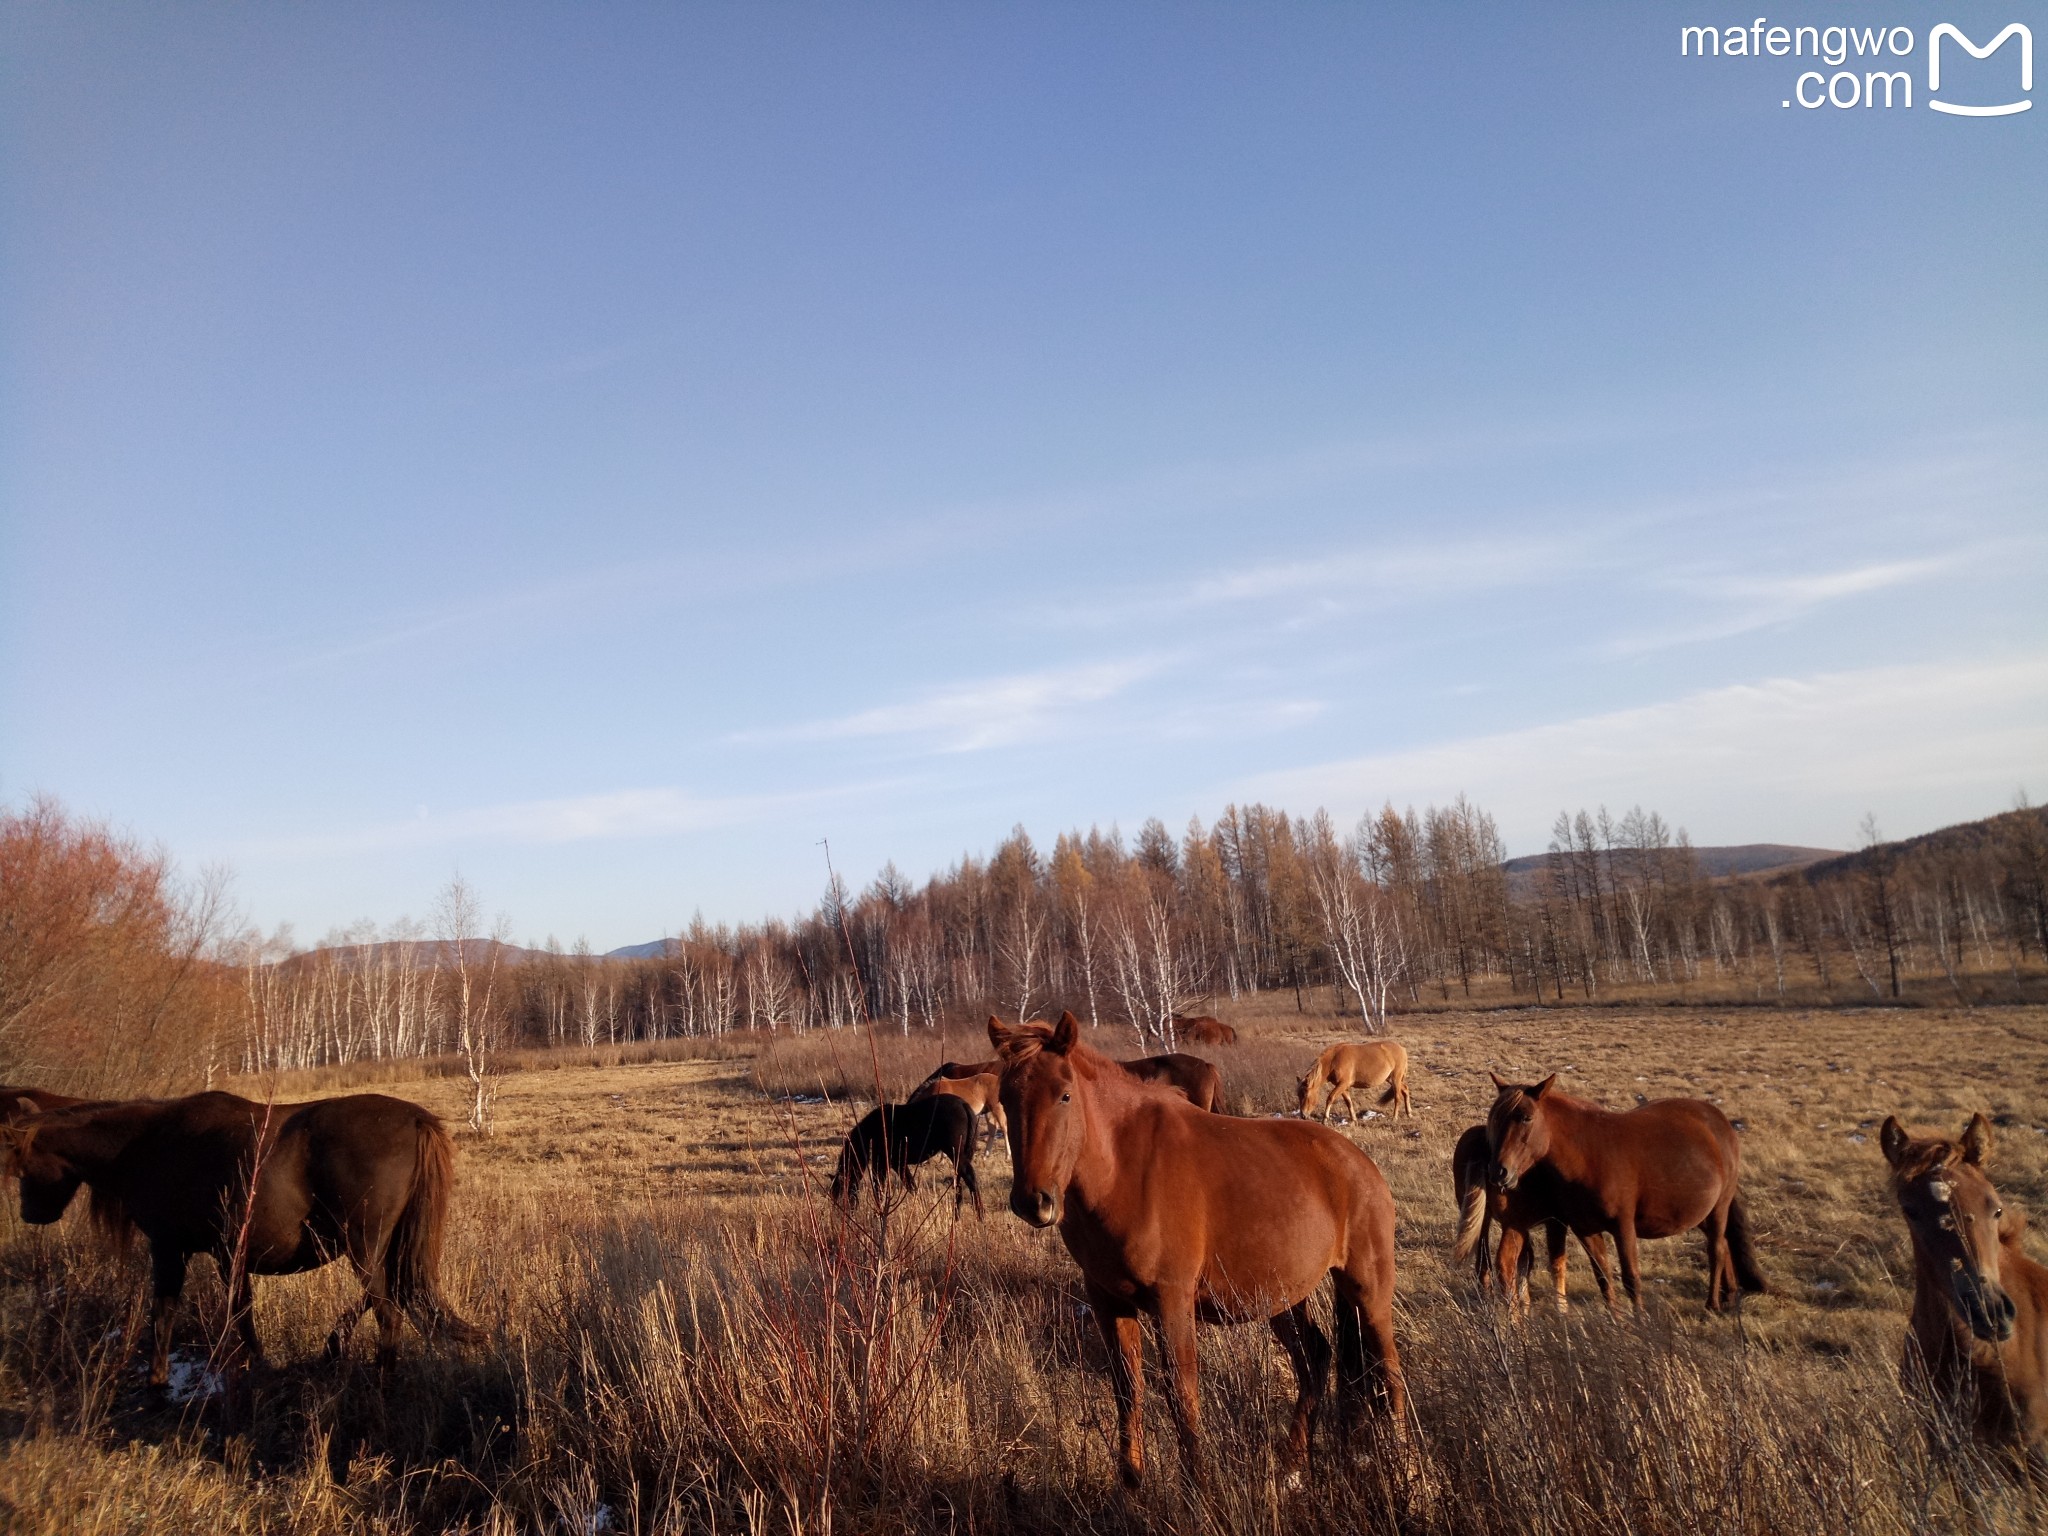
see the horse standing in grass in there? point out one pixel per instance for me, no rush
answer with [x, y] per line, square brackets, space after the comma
[1516, 1212]
[1353, 1065]
[1658, 1170]
[980, 1093]
[1979, 1330]
[1184, 1215]
[365, 1176]
[896, 1137]
[1203, 1031]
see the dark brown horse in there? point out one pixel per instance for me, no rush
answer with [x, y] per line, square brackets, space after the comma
[1658, 1170]
[897, 1137]
[1203, 1031]
[1184, 1215]
[1979, 1330]
[364, 1176]
[1517, 1212]
[1197, 1080]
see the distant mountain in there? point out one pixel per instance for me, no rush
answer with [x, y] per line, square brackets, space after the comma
[654, 949]
[427, 952]
[1525, 874]
[1965, 837]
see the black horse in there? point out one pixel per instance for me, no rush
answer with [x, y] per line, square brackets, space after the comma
[898, 1136]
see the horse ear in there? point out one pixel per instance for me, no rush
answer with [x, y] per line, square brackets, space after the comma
[1977, 1140]
[28, 1106]
[999, 1034]
[1893, 1139]
[1065, 1034]
[1500, 1084]
[1543, 1087]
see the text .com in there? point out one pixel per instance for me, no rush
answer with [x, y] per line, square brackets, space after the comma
[1864, 65]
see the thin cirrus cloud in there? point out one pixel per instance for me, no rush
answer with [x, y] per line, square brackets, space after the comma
[1922, 745]
[653, 812]
[1751, 602]
[990, 712]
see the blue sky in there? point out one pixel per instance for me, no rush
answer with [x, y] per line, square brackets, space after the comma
[605, 451]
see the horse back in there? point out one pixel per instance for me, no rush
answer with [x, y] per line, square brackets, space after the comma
[1672, 1159]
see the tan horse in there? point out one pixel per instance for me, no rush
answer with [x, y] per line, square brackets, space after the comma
[1979, 1330]
[1183, 1215]
[1354, 1065]
[981, 1093]
[1658, 1170]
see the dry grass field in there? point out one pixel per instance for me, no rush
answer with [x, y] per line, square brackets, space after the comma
[684, 1337]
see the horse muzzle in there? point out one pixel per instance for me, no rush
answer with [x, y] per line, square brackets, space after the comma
[1988, 1310]
[1502, 1178]
[1040, 1207]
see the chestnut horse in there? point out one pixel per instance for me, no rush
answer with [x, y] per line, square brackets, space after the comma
[1203, 1031]
[1352, 1064]
[363, 1176]
[1658, 1170]
[1516, 1212]
[980, 1093]
[1184, 1215]
[1979, 1331]
[16, 1102]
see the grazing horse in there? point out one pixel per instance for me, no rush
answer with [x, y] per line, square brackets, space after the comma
[1352, 1064]
[1530, 1204]
[1979, 1331]
[363, 1176]
[1185, 1215]
[1659, 1169]
[980, 1093]
[896, 1137]
[1203, 1031]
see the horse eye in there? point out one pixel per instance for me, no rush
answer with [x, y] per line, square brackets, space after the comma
[1066, 1096]
[1947, 1223]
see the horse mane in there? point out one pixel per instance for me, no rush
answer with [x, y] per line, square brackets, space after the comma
[1923, 1156]
[111, 1218]
[1099, 1070]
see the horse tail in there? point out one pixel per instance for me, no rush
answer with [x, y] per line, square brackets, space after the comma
[1471, 1219]
[412, 1258]
[1742, 1248]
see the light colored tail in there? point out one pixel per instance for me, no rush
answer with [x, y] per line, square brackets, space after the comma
[1471, 1219]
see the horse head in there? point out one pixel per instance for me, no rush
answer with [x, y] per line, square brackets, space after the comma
[1517, 1129]
[1046, 1125]
[47, 1181]
[1301, 1093]
[1954, 1214]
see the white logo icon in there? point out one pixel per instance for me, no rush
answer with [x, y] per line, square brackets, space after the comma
[1948, 29]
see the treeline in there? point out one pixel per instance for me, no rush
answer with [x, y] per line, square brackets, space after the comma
[1403, 910]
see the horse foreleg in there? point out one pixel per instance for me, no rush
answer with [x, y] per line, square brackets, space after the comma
[1631, 1269]
[1126, 1345]
[167, 1272]
[1553, 1240]
[1183, 1386]
[1508, 1265]
[1309, 1349]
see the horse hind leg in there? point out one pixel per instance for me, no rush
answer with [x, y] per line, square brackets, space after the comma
[1368, 1360]
[1183, 1394]
[1309, 1350]
[167, 1273]
[1720, 1261]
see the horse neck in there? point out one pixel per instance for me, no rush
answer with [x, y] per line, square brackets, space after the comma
[1107, 1098]
[1571, 1153]
[92, 1140]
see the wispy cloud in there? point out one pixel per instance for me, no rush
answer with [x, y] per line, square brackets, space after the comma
[1749, 601]
[990, 712]
[1922, 744]
[655, 812]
